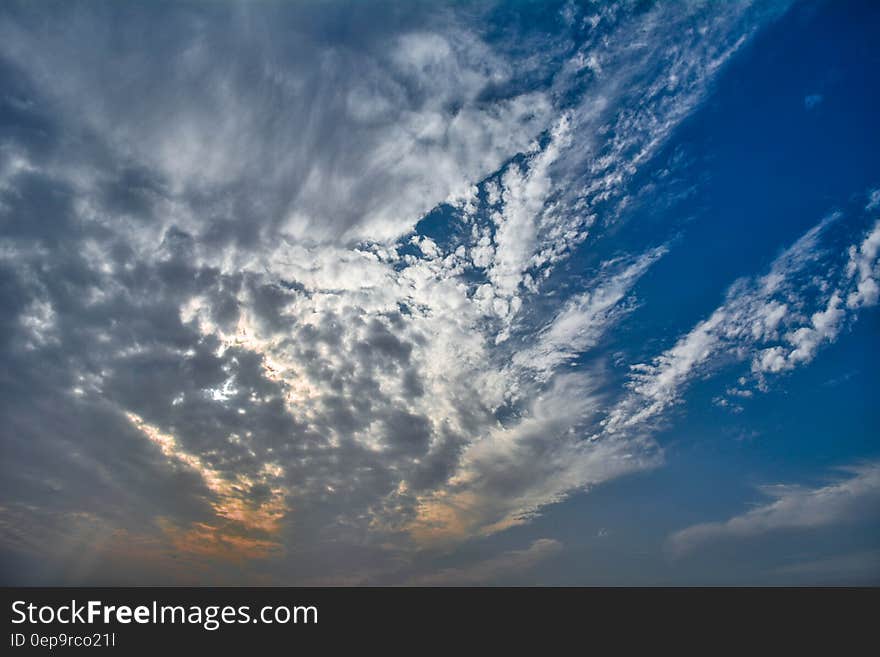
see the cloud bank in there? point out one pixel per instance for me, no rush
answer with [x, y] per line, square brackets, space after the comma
[282, 282]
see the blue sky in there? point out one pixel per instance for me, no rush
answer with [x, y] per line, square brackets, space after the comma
[440, 293]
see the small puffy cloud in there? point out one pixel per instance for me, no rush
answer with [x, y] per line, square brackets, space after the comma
[765, 320]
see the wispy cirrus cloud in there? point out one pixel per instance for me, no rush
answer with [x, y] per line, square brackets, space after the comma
[853, 498]
[777, 321]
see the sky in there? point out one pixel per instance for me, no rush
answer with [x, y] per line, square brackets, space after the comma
[439, 293]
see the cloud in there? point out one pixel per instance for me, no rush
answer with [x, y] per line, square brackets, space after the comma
[507, 476]
[585, 317]
[229, 325]
[258, 106]
[548, 202]
[793, 508]
[863, 269]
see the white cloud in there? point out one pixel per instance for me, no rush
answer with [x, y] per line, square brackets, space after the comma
[550, 200]
[864, 267]
[524, 193]
[513, 471]
[763, 320]
[585, 317]
[263, 301]
[338, 144]
[792, 508]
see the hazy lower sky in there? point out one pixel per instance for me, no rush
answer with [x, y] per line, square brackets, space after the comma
[439, 293]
